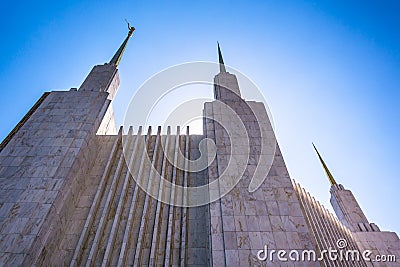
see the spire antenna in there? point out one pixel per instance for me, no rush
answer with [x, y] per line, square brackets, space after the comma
[328, 173]
[118, 55]
[221, 60]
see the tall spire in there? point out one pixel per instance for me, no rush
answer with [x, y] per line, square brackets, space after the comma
[118, 55]
[328, 173]
[221, 60]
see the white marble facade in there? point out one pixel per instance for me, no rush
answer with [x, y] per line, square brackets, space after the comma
[67, 197]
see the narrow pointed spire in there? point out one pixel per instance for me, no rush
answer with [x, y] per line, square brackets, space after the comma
[221, 60]
[118, 55]
[328, 173]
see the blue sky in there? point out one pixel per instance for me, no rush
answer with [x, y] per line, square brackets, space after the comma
[329, 70]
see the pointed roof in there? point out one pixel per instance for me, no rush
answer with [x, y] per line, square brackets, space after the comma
[221, 60]
[328, 173]
[118, 55]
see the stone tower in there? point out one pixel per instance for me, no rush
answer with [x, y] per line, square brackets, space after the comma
[75, 191]
[367, 235]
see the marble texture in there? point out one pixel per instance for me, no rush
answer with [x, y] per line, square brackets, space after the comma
[69, 191]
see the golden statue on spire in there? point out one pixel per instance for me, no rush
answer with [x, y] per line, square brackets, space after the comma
[131, 28]
[118, 55]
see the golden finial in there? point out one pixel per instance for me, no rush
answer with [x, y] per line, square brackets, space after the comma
[221, 60]
[118, 55]
[130, 28]
[328, 173]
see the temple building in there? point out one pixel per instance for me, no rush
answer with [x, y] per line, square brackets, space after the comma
[75, 190]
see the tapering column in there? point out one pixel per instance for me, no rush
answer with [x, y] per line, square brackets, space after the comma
[105, 78]
[345, 204]
[246, 219]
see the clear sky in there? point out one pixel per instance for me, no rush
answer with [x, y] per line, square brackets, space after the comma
[329, 70]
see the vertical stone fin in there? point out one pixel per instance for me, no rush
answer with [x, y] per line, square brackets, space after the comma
[96, 201]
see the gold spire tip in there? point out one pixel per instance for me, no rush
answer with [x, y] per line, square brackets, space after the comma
[328, 173]
[221, 60]
[118, 55]
[130, 28]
